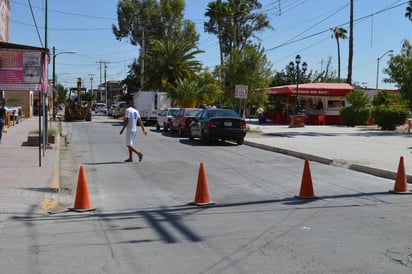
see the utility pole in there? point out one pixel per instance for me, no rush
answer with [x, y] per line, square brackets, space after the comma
[142, 50]
[105, 83]
[100, 86]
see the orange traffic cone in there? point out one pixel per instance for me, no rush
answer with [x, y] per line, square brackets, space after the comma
[306, 188]
[401, 184]
[202, 196]
[82, 201]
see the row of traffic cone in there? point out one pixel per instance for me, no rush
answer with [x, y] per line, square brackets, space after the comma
[202, 196]
[306, 189]
[82, 199]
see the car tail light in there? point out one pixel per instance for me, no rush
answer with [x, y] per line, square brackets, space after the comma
[243, 125]
[211, 124]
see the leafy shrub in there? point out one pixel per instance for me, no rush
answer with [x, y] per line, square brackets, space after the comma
[354, 116]
[357, 98]
[389, 118]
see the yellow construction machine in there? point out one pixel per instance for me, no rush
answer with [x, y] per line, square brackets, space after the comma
[78, 104]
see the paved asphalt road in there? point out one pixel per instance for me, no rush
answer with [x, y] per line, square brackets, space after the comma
[353, 228]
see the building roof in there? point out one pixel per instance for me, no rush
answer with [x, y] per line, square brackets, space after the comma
[316, 89]
[5, 45]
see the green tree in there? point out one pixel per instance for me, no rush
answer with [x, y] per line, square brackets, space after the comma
[408, 13]
[217, 13]
[235, 22]
[357, 98]
[186, 93]
[61, 93]
[357, 113]
[131, 80]
[141, 21]
[248, 67]
[382, 98]
[339, 33]
[210, 88]
[399, 71]
[171, 61]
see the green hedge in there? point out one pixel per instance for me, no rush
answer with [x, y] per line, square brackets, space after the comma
[354, 116]
[389, 118]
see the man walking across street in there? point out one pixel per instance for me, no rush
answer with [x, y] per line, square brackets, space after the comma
[131, 120]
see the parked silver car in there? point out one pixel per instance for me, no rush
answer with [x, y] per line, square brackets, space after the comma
[165, 117]
[110, 110]
[119, 109]
[100, 107]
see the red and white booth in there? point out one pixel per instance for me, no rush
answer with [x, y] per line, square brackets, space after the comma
[320, 102]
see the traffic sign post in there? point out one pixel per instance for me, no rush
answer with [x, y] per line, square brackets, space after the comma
[241, 93]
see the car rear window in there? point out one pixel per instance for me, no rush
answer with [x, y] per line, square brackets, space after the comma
[223, 113]
[192, 112]
[173, 111]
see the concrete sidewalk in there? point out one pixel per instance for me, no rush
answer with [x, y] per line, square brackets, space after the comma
[364, 149]
[29, 174]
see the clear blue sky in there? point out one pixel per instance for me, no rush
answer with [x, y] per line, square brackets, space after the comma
[299, 27]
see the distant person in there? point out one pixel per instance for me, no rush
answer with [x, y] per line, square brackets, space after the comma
[130, 122]
[261, 115]
[2, 119]
[319, 105]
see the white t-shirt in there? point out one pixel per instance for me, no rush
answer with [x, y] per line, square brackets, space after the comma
[132, 114]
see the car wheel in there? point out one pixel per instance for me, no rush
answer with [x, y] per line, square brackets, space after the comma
[240, 141]
[180, 131]
[204, 138]
[190, 135]
[165, 127]
[157, 126]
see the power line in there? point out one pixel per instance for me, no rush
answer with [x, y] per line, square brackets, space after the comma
[67, 13]
[35, 24]
[321, 32]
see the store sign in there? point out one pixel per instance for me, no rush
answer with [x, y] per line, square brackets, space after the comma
[21, 70]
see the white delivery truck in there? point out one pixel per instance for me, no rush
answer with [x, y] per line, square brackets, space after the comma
[150, 104]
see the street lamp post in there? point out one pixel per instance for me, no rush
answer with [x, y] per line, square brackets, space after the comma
[297, 72]
[54, 77]
[91, 81]
[377, 67]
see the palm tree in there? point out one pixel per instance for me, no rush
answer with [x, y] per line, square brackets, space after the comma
[185, 93]
[235, 23]
[339, 33]
[171, 61]
[217, 12]
[408, 13]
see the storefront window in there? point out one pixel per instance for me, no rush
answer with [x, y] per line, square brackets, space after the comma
[336, 104]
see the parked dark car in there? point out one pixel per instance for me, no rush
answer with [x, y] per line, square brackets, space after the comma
[181, 121]
[218, 124]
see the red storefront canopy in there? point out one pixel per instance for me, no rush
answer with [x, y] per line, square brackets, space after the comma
[315, 89]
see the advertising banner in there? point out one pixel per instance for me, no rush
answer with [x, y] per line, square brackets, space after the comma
[21, 70]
